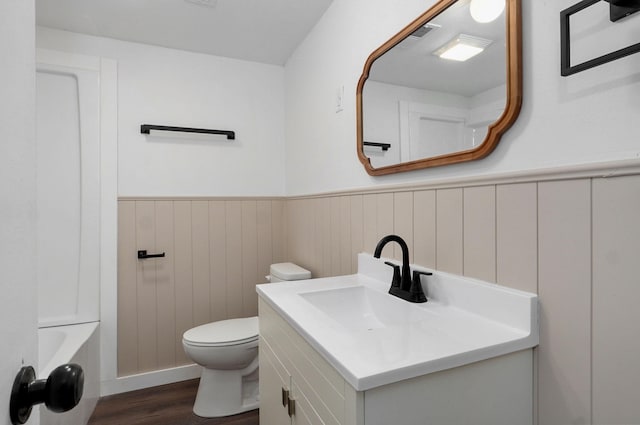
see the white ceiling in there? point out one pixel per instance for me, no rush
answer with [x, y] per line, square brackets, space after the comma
[413, 64]
[266, 31]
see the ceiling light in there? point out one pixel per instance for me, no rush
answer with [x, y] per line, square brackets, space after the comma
[484, 11]
[462, 47]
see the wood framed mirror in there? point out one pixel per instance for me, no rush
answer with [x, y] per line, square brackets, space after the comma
[419, 105]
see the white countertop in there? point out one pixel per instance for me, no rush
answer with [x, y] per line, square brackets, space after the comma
[464, 321]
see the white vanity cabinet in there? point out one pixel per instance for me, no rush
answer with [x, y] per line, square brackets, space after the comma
[297, 386]
[496, 391]
[342, 351]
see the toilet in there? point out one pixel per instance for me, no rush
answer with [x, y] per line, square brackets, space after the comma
[227, 350]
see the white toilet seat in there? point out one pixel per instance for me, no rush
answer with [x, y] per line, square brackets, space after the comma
[224, 333]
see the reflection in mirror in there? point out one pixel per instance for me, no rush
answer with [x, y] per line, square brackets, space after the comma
[443, 90]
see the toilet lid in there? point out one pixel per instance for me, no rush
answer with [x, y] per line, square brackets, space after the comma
[223, 332]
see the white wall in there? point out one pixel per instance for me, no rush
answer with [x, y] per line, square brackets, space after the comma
[588, 117]
[382, 123]
[389, 111]
[177, 88]
[18, 312]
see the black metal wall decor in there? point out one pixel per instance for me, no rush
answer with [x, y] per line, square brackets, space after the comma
[146, 128]
[618, 9]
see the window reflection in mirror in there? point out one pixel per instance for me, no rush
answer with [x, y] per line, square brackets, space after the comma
[435, 90]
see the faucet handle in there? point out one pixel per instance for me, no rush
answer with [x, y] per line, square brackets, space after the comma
[416, 292]
[395, 282]
[417, 273]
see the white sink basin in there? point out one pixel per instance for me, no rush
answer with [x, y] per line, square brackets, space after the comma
[373, 338]
[360, 308]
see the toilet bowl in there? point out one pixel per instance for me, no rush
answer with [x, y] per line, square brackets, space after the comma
[227, 350]
[228, 353]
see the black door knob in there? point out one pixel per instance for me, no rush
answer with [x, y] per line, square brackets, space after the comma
[60, 392]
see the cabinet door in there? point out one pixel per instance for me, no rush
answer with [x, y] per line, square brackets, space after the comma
[275, 384]
[304, 413]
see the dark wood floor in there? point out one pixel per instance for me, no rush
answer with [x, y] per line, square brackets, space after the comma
[164, 405]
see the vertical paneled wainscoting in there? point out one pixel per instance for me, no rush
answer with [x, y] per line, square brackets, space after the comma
[576, 242]
[216, 251]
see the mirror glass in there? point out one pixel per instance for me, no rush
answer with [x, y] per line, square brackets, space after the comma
[421, 105]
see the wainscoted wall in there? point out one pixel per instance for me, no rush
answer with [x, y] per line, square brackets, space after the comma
[575, 242]
[216, 252]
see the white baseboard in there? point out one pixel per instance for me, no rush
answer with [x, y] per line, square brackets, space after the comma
[149, 379]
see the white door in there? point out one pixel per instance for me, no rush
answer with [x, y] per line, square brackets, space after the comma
[431, 130]
[18, 306]
[431, 136]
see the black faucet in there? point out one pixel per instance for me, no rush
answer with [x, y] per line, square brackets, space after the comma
[402, 286]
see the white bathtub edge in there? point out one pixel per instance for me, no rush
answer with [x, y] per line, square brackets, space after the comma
[149, 379]
[76, 336]
[80, 345]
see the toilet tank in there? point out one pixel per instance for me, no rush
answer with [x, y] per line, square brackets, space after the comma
[287, 271]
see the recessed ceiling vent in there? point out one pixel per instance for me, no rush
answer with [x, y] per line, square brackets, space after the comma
[206, 3]
[417, 35]
[422, 31]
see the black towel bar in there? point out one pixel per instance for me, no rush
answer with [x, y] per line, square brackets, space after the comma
[383, 146]
[146, 128]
